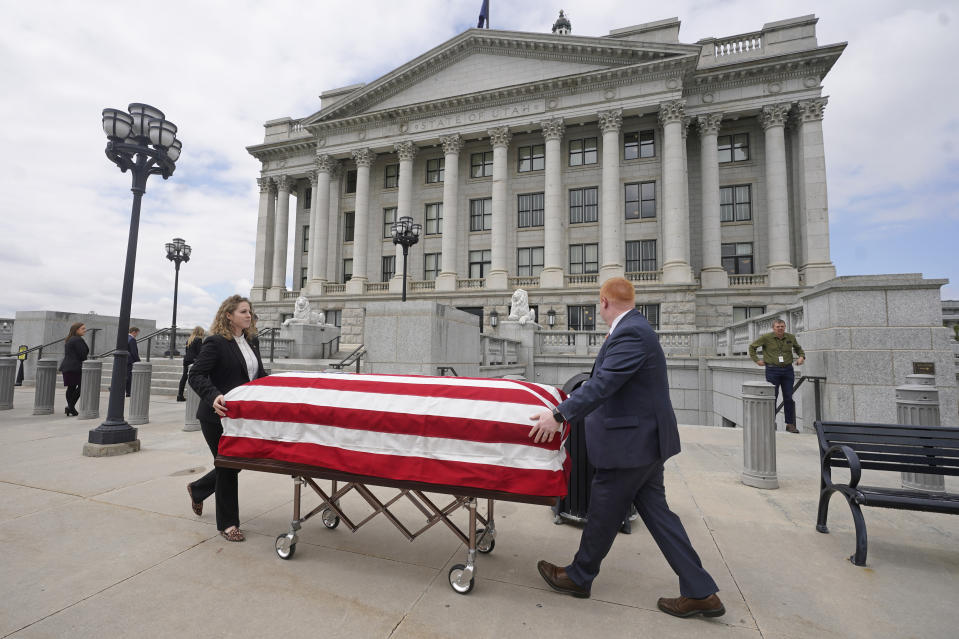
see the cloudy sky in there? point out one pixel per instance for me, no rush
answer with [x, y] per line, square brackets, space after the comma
[219, 69]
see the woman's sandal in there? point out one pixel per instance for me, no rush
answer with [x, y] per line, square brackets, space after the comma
[233, 535]
[196, 505]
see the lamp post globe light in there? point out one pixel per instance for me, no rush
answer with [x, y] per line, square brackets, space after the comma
[177, 251]
[140, 140]
[406, 234]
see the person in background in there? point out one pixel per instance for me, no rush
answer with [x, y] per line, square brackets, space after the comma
[75, 351]
[229, 357]
[778, 348]
[193, 344]
[134, 355]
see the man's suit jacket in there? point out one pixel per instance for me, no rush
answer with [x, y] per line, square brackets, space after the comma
[133, 349]
[218, 369]
[629, 418]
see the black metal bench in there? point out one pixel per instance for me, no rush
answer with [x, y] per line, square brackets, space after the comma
[931, 450]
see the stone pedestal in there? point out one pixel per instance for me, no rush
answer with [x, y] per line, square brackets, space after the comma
[139, 412]
[497, 280]
[917, 404]
[552, 278]
[8, 374]
[446, 282]
[714, 278]
[759, 435]
[525, 334]
[90, 389]
[417, 337]
[46, 381]
[309, 339]
[190, 422]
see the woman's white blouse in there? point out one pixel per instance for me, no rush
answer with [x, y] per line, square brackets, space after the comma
[248, 355]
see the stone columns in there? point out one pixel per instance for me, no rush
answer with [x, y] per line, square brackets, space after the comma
[263, 262]
[553, 271]
[190, 422]
[452, 145]
[90, 389]
[335, 236]
[815, 264]
[676, 269]
[406, 151]
[612, 223]
[759, 435]
[140, 393]
[713, 274]
[8, 374]
[281, 235]
[46, 383]
[364, 159]
[319, 225]
[780, 270]
[917, 404]
[498, 277]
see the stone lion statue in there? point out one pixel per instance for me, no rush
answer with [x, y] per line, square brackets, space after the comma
[302, 314]
[520, 310]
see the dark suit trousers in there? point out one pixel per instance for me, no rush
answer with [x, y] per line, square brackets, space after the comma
[219, 481]
[611, 492]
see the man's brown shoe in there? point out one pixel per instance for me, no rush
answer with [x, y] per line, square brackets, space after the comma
[791, 428]
[711, 606]
[559, 581]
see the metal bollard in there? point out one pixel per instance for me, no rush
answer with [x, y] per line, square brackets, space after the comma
[140, 393]
[90, 389]
[46, 383]
[759, 435]
[190, 422]
[8, 374]
[917, 404]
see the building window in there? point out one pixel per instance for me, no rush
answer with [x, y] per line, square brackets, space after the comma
[581, 318]
[481, 214]
[583, 205]
[651, 313]
[389, 267]
[582, 152]
[334, 316]
[389, 217]
[435, 169]
[432, 264]
[307, 197]
[391, 176]
[734, 204]
[640, 256]
[481, 164]
[641, 200]
[303, 277]
[434, 218]
[532, 158]
[733, 148]
[349, 218]
[529, 261]
[639, 144]
[530, 207]
[741, 313]
[306, 239]
[479, 263]
[351, 181]
[738, 258]
[347, 270]
[583, 258]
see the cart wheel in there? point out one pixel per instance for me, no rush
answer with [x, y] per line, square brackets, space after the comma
[456, 575]
[484, 543]
[285, 546]
[330, 519]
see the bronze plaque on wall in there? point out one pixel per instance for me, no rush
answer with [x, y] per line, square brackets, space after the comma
[924, 368]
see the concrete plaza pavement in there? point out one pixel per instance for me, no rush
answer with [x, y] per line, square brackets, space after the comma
[108, 547]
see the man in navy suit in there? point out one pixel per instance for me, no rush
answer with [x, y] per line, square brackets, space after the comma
[134, 357]
[630, 432]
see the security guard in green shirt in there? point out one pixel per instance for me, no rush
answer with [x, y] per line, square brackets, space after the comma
[778, 348]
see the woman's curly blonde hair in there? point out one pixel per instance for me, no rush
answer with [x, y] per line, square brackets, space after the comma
[221, 323]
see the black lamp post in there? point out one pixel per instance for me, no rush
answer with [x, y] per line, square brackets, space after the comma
[406, 234]
[176, 251]
[143, 142]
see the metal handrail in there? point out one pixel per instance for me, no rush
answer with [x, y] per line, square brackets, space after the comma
[147, 338]
[816, 380]
[35, 348]
[355, 356]
[272, 330]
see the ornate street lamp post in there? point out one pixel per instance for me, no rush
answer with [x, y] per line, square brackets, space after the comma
[406, 234]
[143, 142]
[176, 251]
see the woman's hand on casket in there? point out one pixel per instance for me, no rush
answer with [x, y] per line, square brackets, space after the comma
[219, 405]
[545, 426]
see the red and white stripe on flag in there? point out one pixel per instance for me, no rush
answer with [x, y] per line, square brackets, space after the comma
[454, 431]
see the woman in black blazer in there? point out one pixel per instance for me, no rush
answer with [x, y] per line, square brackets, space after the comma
[229, 357]
[75, 351]
[193, 344]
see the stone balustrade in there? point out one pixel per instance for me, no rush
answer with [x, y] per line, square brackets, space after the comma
[644, 276]
[499, 350]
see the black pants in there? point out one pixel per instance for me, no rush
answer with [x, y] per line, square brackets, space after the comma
[783, 377]
[186, 367]
[73, 395]
[220, 481]
[129, 378]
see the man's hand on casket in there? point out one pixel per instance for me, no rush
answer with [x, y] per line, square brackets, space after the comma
[219, 405]
[545, 426]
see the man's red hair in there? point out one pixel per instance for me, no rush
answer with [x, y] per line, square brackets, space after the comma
[619, 291]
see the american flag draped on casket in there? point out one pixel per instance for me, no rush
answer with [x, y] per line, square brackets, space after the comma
[451, 431]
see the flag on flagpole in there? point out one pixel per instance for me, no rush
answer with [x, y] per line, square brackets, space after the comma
[484, 15]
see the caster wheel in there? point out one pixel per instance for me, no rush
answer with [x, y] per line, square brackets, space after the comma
[456, 576]
[330, 519]
[485, 543]
[285, 546]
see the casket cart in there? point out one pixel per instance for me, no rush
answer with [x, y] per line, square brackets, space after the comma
[462, 437]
